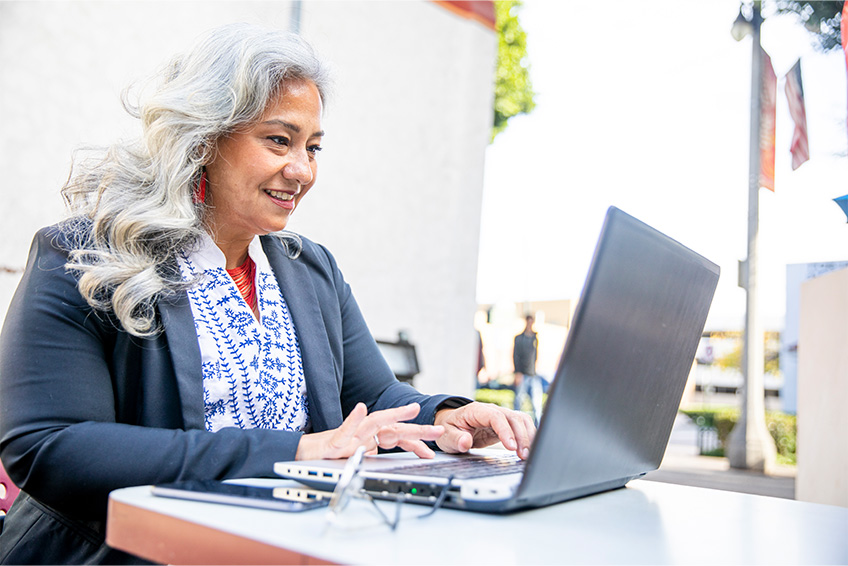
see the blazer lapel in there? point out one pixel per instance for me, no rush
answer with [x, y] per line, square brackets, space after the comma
[322, 376]
[178, 321]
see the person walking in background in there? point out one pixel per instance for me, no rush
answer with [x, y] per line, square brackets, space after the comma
[524, 353]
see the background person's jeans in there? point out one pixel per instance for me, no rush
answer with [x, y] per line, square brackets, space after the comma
[530, 386]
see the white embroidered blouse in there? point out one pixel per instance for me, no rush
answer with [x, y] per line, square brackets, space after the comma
[252, 370]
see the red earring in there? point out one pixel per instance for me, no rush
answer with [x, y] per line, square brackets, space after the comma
[199, 195]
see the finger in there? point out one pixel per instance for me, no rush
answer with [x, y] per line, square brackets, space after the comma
[500, 424]
[455, 440]
[346, 434]
[378, 443]
[417, 447]
[355, 418]
[370, 426]
[392, 436]
[395, 415]
[359, 428]
[410, 438]
[459, 424]
[524, 431]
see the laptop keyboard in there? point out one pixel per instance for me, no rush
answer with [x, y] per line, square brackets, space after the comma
[466, 467]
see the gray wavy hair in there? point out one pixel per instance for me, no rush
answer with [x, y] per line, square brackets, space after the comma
[131, 205]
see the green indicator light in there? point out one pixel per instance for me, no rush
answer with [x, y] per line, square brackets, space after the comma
[413, 491]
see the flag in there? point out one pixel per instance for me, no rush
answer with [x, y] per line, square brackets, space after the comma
[843, 203]
[845, 32]
[795, 95]
[478, 10]
[768, 98]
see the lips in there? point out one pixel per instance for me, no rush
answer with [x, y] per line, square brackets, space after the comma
[280, 195]
[283, 199]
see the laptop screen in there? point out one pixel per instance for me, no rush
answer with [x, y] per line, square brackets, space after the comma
[626, 360]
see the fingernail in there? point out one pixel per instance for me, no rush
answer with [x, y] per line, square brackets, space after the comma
[525, 453]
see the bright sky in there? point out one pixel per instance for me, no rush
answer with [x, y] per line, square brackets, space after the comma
[645, 106]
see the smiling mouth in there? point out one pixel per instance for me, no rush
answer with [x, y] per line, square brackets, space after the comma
[279, 195]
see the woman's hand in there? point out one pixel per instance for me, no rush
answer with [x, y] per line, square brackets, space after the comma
[362, 429]
[478, 425]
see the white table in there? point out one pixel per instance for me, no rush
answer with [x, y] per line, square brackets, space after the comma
[644, 523]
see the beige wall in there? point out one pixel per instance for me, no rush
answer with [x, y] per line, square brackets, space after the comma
[401, 177]
[822, 447]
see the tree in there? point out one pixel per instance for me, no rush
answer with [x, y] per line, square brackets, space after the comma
[513, 88]
[733, 358]
[822, 19]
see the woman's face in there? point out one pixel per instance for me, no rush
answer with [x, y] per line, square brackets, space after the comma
[258, 176]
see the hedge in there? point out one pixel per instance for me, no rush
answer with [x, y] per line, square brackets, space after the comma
[783, 427]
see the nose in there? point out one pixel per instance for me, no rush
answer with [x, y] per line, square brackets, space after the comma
[298, 168]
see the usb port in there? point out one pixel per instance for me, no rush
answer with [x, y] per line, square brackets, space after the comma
[328, 474]
[312, 473]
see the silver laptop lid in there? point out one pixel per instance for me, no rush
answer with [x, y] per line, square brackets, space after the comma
[618, 387]
[625, 362]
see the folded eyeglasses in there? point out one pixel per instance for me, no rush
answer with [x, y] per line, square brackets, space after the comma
[351, 485]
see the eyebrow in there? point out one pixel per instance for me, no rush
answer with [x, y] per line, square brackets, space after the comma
[293, 127]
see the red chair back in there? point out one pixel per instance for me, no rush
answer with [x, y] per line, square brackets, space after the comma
[8, 491]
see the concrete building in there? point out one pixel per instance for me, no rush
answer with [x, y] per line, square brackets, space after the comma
[399, 193]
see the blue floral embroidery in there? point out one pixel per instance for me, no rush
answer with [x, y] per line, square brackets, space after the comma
[257, 380]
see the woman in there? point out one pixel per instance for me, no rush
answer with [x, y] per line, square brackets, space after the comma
[171, 329]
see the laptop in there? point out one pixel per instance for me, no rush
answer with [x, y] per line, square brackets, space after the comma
[611, 405]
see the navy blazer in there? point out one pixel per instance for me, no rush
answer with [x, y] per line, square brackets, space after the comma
[86, 408]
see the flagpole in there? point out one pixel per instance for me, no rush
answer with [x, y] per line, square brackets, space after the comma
[749, 445]
[295, 15]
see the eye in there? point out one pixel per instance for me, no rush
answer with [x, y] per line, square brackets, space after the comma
[279, 140]
[313, 150]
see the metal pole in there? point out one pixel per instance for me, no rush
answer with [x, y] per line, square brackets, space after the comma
[750, 445]
[296, 10]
